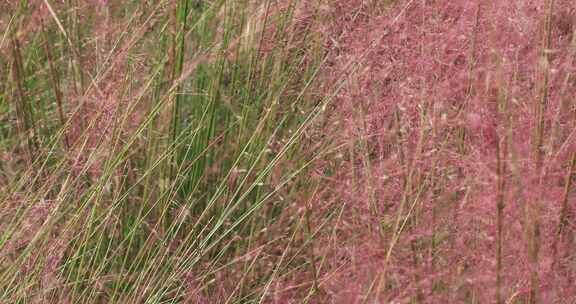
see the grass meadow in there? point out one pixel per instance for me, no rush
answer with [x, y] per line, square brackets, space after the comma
[297, 151]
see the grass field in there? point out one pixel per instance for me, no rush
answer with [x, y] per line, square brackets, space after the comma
[298, 151]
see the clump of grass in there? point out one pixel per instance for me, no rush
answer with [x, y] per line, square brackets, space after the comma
[454, 176]
[159, 142]
[263, 151]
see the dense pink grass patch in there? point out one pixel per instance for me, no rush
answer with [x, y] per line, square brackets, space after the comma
[440, 122]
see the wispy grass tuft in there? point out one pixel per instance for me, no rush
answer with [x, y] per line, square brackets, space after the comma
[159, 141]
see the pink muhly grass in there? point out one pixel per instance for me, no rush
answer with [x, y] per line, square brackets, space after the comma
[452, 93]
